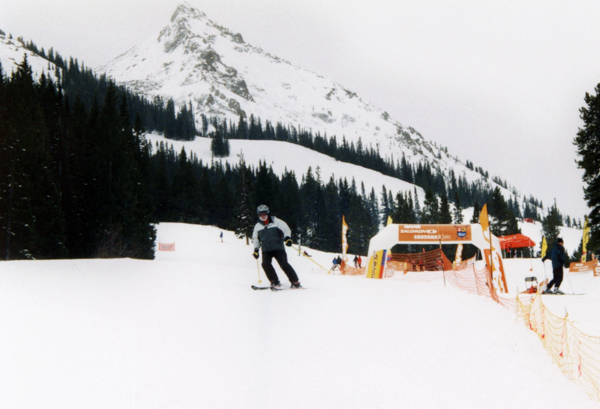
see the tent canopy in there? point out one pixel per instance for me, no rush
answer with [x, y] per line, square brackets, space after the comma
[515, 241]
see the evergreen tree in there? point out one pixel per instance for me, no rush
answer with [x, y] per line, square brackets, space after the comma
[476, 212]
[33, 224]
[588, 149]
[431, 212]
[219, 145]
[417, 207]
[458, 216]
[245, 215]
[385, 206]
[404, 212]
[551, 226]
[444, 214]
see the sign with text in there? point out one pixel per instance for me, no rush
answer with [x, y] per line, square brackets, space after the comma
[433, 232]
[586, 267]
[377, 264]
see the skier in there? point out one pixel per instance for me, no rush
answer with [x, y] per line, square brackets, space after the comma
[557, 254]
[270, 234]
[359, 261]
[335, 264]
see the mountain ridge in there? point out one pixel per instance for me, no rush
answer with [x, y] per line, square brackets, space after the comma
[224, 76]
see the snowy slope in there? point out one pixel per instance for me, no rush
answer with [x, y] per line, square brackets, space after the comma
[11, 55]
[186, 330]
[283, 155]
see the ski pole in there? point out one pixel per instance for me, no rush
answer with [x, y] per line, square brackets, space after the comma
[311, 260]
[545, 275]
[258, 271]
[568, 278]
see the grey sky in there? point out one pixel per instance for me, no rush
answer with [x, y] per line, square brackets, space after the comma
[498, 82]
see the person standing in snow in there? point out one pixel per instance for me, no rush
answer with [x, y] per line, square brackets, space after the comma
[558, 261]
[270, 234]
[335, 264]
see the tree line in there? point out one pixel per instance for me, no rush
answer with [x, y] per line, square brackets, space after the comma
[72, 178]
[78, 179]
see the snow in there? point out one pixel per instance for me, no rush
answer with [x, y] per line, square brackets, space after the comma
[185, 330]
[11, 55]
[284, 155]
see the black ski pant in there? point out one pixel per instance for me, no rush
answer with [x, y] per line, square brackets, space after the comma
[557, 279]
[281, 257]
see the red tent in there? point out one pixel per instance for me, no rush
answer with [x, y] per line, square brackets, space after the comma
[515, 241]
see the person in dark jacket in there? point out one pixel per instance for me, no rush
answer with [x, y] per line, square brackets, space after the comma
[558, 261]
[270, 234]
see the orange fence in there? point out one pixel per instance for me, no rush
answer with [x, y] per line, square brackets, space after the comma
[434, 260]
[577, 354]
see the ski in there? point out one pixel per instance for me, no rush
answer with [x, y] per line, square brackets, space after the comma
[254, 287]
[563, 294]
[285, 289]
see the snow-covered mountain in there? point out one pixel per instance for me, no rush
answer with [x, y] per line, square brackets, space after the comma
[193, 59]
[11, 55]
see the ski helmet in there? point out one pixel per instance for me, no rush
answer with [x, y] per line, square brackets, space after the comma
[262, 209]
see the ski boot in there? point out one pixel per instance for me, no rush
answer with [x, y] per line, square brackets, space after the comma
[548, 291]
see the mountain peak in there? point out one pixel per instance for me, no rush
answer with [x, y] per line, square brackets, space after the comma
[184, 10]
[196, 60]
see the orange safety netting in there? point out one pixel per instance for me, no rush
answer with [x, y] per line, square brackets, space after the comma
[434, 260]
[351, 271]
[577, 354]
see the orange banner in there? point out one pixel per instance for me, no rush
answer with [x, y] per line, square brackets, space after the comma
[493, 258]
[586, 267]
[433, 232]
[166, 246]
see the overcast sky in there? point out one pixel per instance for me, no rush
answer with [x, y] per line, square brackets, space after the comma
[500, 83]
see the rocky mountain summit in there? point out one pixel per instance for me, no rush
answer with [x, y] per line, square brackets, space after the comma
[193, 59]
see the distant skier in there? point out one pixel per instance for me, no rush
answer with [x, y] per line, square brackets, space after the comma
[557, 254]
[270, 234]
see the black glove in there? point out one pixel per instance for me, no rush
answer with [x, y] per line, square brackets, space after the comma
[255, 254]
[288, 241]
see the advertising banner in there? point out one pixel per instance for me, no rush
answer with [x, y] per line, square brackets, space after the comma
[433, 232]
[376, 265]
[586, 267]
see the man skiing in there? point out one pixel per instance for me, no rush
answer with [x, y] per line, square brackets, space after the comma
[558, 261]
[270, 233]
